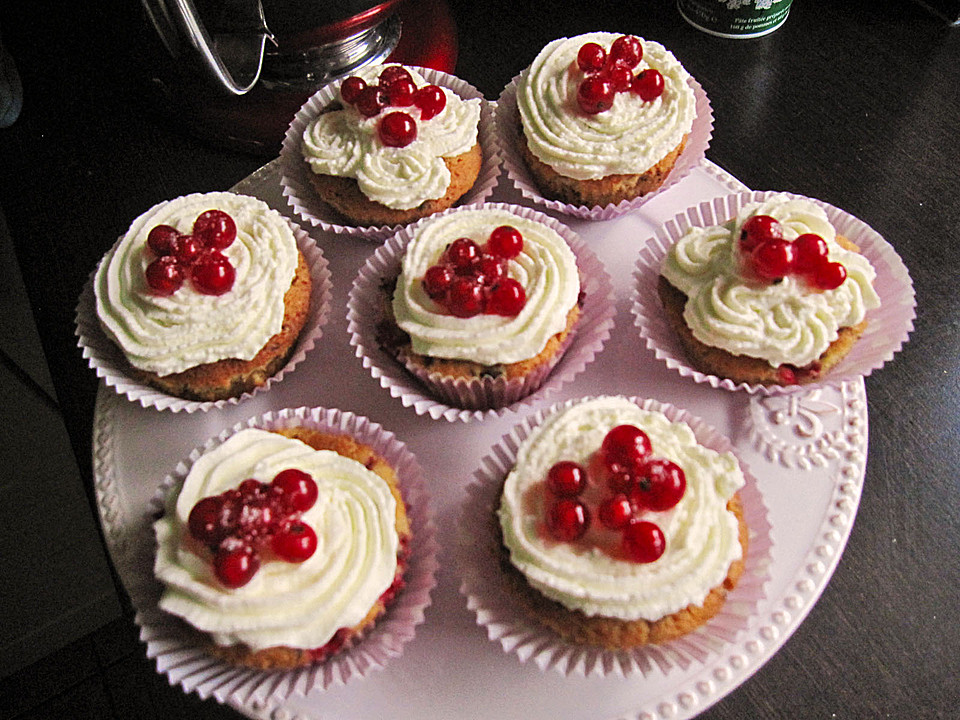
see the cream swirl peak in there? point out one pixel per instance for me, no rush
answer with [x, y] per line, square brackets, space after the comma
[546, 268]
[344, 143]
[631, 137]
[786, 322]
[168, 334]
[298, 605]
[702, 535]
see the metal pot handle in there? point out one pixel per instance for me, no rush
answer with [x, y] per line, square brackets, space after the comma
[233, 56]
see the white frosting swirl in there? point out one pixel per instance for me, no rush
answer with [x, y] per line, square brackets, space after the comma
[784, 322]
[629, 138]
[168, 334]
[297, 605]
[546, 268]
[701, 533]
[346, 144]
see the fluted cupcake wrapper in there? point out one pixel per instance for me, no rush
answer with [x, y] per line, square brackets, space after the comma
[479, 553]
[303, 198]
[108, 361]
[888, 327]
[177, 648]
[441, 397]
[508, 130]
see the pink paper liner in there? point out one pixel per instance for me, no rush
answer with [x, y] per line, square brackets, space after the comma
[508, 130]
[295, 172]
[888, 327]
[107, 359]
[173, 643]
[478, 552]
[364, 312]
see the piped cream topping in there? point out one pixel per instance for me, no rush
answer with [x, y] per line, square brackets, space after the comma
[701, 533]
[546, 268]
[168, 334]
[784, 322]
[344, 143]
[630, 138]
[297, 605]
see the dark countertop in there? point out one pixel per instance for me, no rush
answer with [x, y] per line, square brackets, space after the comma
[854, 103]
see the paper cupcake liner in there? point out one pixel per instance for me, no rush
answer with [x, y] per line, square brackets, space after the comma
[175, 646]
[888, 327]
[478, 554]
[508, 130]
[365, 313]
[108, 361]
[303, 198]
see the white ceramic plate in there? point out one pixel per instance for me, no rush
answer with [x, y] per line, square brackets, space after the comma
[807, 451]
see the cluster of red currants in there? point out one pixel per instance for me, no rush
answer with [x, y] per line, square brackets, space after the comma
[636, 482]
[610, 73]
[196, 256]
[770, 257]
[471, 280]
[239, 523]
[394, 88]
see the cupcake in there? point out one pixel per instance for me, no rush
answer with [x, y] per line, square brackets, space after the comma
[772, 297]
[205, 295]
[392, 147]
[603, 118]
[484, 306]
[619, 529]
[283, 547]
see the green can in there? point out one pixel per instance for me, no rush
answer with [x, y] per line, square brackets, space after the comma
[735, 18]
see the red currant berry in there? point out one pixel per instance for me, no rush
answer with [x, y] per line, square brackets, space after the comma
[436, 281]
[164, 275]
[462, 253]
[566, 479]
[506, 242]
[235, 567]
[251, 489]
[507, 298]
[829, 276]
[759, 229]
[351, 88]
[299, 489]
[620, 76]
[162, 240]
[620, 481]
[188, 250]
[255, 519]
[591, 58]
[595, 94]
[643, 541]
[215, 229]
[773, 259]
[615, 512]
[371, 101]
[431, 100]
[204, 520]
[296, 542]
[394, 74]
[490, 269]
[625, 446]
[465, 298]
[648, 84]
[809, 252]
[626, 50]
[400, 93]
[660, 485]
[568, 519]
[212, 274]
[786, 375]
[397, 129]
